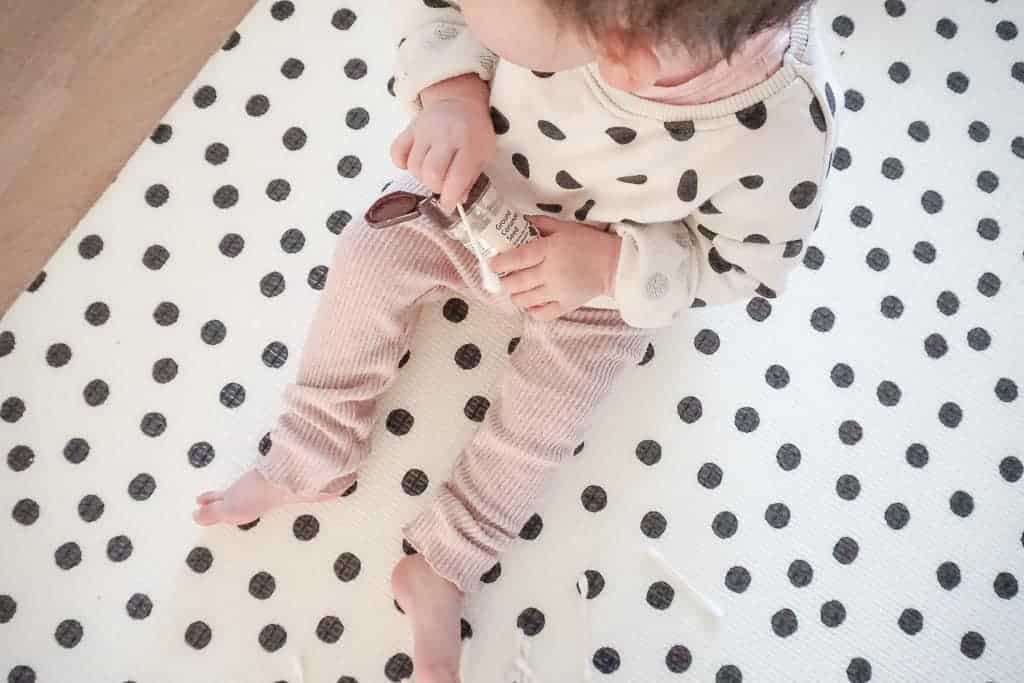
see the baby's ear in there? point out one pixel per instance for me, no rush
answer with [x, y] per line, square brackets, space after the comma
[627, 61]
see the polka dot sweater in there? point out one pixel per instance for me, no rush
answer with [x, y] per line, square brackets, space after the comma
[713, 202]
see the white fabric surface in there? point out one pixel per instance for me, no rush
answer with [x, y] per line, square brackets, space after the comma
[82, 623]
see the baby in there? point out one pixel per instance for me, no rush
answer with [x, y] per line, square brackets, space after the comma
[674, 153]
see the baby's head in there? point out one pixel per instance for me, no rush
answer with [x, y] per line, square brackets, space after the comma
[624, 37]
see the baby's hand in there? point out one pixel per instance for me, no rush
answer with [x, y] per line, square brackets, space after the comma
[451, 141]
[568, 266]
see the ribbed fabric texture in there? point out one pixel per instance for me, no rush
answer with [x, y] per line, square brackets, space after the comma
[559, 373]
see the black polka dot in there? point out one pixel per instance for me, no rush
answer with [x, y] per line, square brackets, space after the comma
[521, 164]
[292, 68]
[25, 512]
[848, 487]
[492, 574]
[653, 524]
[899, 72]
[7, 343]
[842, 159]
[948, 575]
[924, 252]
[724, 524]
[804, 194]
[476, 408]
[273, 637]
[532, 528]
[142, 486]
[753, 117]
[843, 26]
[198, 634]
[979, 339]
[717, 263]
[68, 555]
[550, 130]
[759, 309]
[709, 475]
[958, 82]
[584, 211]
[919, 131]
[978, 131]
[859, 670]
[845, 550]
[37, 282]
[68, 633]
[20, 458]
[499, 121]
[972, 645]
[961, 503]
[199, 559]
[232, 395]
[850, 432]
[399, 421]
[76, 450]
[730, 673]
[988, 229]
[455, 310]
[752, 182]
[648, 452]
[90, 508]
[262, 585]
[621, 134]
[1005, 585]
[119, 548]
[594, 498]
[139, 606]
[707, 342]
[784, 623]
[737, 579]
[330, 629]
[595, 583]
[1017, 71]
[317, 277]
[257, 105]
[911, 621]
[690, 409]
[747, 420]
[832, 613]
[347, 567]
[897, 516]
[1011, 469]
[606, 660]
[935, 345]
[946, 28]
[818, 115]
[823, 319]
[853, 100]
[888, 393]
[800, 573]
[678, 659]
[415, 482]
[565, 181]
[891, 307]
[343, 19]
[988, 182]
[350, 166]
[204, 96]
[399, 666]
[8, 608]
[892, 168]
[950, 414]
[680, 130]
[777, 515]
[660, 595]
[788, 457]
[530, 621]
[895, 8]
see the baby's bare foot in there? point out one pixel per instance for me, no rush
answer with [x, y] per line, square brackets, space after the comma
[435, 607]
[245, 500]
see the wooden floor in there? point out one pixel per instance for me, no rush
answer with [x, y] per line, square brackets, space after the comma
[82, 83]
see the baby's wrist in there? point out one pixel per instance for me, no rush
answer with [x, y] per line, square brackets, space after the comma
[469, 88]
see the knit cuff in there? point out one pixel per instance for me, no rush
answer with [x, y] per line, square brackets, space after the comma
[442, 535]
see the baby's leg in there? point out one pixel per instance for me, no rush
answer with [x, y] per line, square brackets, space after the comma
[560, 372]
[351, 355]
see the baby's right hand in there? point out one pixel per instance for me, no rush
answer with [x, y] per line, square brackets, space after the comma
[452, 140]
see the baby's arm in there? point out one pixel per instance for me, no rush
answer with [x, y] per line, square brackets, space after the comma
[442, 75]
[434, 45]
[743, 242]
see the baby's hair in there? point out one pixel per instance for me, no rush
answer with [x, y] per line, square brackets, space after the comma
[700, 26]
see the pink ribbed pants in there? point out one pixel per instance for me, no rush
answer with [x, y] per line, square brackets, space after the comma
[559, 372]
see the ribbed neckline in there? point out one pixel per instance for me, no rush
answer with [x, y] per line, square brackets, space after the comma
[627, 104]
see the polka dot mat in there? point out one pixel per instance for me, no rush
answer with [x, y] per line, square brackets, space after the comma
[838, 470]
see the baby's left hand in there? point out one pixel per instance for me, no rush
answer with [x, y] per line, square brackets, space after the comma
[568, 266]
